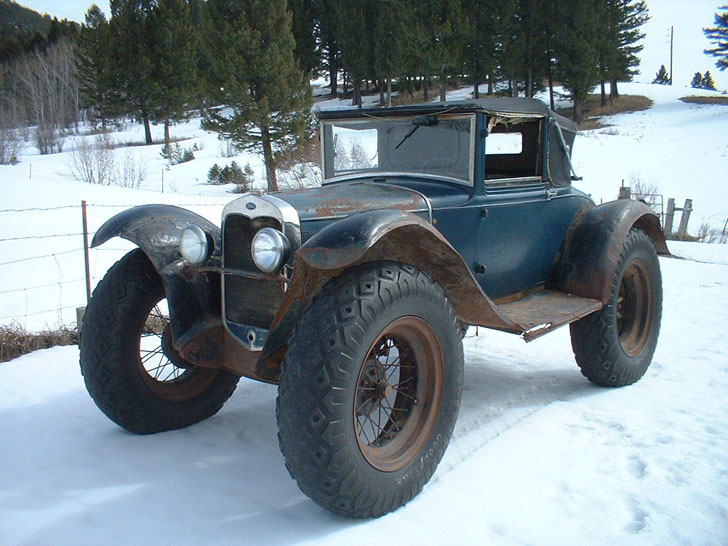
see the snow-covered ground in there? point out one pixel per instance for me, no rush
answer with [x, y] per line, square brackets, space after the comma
[539, 455]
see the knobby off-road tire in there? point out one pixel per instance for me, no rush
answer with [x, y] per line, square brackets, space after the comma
[614, 346]
[127, 360]
[370, 389]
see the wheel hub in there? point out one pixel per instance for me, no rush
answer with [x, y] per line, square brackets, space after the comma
[403, 366]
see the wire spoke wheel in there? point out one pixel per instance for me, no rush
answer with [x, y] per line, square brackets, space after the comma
[634, 308]
[163, 370]
[398, 394]
[129, 364]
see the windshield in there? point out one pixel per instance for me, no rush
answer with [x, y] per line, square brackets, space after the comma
[438, 146]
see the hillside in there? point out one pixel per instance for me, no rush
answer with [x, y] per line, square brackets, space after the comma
[20, 27]
[16, 19]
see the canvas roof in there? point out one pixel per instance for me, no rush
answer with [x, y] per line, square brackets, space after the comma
[499, 106]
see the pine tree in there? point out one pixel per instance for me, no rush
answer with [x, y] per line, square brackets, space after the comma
[203, 56]
[93, 64]
[510, 42]
[133, 66]
[536, 33]
[354, 23]
[258, 78]
[479, 45]
[173, 52]
[577, 54]
[718, 34]
[304, 33]
[662, 77]
[708, 82]
[697, 82]
[391, 43]
[624, 19]
[438, 29]
[328, 44]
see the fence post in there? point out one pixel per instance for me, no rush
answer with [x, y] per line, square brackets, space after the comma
[687, 209]
[669, 215]
[85, 251]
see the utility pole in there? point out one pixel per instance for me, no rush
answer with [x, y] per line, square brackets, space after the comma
[672, 33]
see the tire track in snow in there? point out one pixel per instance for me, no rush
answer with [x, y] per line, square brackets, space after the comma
[497, 399]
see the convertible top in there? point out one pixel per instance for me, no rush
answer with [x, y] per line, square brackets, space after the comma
[505, 107]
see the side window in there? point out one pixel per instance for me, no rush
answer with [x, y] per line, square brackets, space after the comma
[513, 153]
[504, 144]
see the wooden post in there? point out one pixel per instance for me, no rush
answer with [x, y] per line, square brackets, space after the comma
[686, 210]
[85, 251]
[669, 215]
[625, 192]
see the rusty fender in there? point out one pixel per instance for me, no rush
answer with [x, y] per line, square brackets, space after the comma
[588, 258]
[368, 237]
[193, 297]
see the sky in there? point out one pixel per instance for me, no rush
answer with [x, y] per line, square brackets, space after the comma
[688, 17]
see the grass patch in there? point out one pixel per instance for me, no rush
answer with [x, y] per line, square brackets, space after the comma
[15, 341]
[593, 109]
[705, 100]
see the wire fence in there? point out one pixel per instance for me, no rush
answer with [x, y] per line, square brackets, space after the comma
[43, 289]
[31, 282]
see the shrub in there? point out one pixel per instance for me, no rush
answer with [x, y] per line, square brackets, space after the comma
[131, 173]
[300, 176]
[16, 341]
[47, 140]
[11, 144]
[93, 163]
[176, 154]
[96, 163]
[232, 174]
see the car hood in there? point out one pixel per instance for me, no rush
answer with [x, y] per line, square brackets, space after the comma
[343, 199]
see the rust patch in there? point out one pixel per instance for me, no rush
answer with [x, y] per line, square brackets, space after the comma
[214, 347]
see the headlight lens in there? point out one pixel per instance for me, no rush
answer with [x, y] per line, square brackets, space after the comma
[270, 249]
[194, 245]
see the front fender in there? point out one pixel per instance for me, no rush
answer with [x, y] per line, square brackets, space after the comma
[193, 297]
[374, 236]
[589, 256]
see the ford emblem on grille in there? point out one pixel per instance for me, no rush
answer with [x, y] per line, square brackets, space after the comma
[250, 206]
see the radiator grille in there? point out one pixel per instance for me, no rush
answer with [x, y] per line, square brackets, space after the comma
[253, 302]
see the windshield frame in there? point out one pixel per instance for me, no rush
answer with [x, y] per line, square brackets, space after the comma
[380, 173]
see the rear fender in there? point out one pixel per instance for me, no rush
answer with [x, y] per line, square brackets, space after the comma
[368, 237]
[193, 297]
[589, 256]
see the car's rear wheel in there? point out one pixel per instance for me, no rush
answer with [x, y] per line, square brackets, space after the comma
[614, 346]
[130, 367]
[370, 389]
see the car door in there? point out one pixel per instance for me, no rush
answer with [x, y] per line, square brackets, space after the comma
[523, 219]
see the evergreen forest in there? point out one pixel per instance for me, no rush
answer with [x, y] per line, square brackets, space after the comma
[245, 66]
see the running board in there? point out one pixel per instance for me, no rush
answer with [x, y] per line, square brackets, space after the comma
[541, 312]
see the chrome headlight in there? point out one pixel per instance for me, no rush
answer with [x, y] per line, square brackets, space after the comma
[194, 244]
[269, 249]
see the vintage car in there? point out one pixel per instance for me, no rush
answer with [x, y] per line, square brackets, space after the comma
[354, 296]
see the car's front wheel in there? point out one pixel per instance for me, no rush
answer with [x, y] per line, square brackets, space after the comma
[129, 365]
[370, 389]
